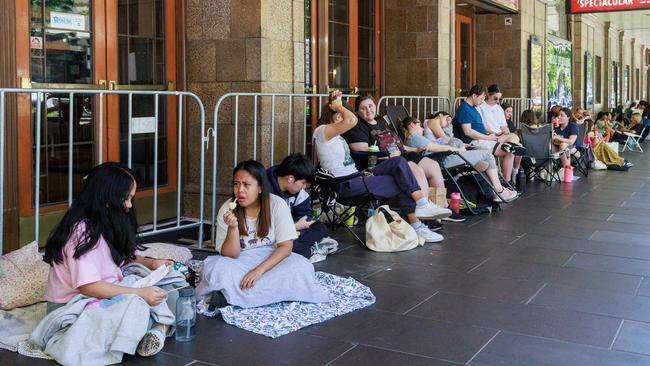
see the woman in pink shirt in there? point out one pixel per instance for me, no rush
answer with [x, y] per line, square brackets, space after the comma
[96, 236]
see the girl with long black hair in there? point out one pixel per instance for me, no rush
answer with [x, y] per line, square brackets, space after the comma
[97, 236]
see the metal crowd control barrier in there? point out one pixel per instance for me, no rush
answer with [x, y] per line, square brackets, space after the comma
[285, 117]
[518, 106]
[37, 96]
[418, 106]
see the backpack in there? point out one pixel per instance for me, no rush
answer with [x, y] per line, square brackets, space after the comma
[386, 231]
[477, 191]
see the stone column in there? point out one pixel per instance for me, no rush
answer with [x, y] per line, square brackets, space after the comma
[243, 46]
[418, 47]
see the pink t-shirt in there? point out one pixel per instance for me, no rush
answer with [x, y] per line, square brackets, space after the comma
[96, 265]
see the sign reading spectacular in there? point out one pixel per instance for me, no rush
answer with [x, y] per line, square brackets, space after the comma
[594, 6]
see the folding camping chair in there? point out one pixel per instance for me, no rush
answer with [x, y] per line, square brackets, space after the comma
[579, 158]
[540, 158]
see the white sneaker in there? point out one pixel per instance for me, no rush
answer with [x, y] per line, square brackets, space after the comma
[428, 235]
[325, 247]
[315, 258]
[431, 211]
[507, 195]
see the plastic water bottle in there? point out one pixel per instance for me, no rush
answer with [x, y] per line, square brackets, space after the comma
[372, 159]
[185, 315]
[454, 204]
[521, 181]
[568, 174]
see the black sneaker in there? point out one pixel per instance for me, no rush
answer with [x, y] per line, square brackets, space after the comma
[455, 218]
[433, 225]
[514, 149]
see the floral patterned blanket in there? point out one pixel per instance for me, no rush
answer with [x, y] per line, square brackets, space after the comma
[275, 320]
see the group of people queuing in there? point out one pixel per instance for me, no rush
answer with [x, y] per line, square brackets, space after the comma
[266, 233]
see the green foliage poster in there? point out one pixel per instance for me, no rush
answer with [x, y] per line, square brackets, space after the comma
[558, 70]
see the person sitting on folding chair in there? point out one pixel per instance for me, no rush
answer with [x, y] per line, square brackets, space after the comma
[438, 128]
[471, 129]
[481, 160]
[495, 123]
[565, 136]
[392, 178]
[369, 132]
[602, 150]
[288, 181]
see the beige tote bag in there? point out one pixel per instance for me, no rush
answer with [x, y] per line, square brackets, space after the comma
[386, 231]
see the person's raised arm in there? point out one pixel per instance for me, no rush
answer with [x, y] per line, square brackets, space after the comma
[437, 130]
[230, 247]
[349, 119]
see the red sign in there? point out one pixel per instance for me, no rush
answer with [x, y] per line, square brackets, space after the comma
[594, 6]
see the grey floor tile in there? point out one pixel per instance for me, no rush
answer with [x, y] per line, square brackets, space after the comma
[515, 349]
[595, 302]
[644, 289]
[566, 325]
[365, 355]
[227, 345]
[619, 237]
[396, 298]
[575, 277]
[15, 359]
[345, 266]
[504, 289]
[424, 337]
[634, 337]
[630, 219]
[588, 246]
[538, 255]
[440, 260]
[163, 359]
[610, 264]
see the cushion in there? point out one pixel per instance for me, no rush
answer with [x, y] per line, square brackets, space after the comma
[23, 277]
[167, 251]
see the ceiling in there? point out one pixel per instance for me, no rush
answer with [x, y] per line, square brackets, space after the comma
[635, 23]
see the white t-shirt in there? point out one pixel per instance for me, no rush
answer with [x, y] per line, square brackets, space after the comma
[334, 154]
[493, 117]
[282, 227]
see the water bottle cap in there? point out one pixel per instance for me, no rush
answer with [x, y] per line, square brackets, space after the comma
[186, 292]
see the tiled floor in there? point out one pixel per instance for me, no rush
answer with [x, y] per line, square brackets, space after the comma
[556, 278]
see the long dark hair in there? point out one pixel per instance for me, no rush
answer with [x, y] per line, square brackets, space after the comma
[255, 169]
[100, 207]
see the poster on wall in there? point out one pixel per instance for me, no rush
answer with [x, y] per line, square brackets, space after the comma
[536, 75]
[626, 84]
[558, 72]
[589, 82]
[596, 6]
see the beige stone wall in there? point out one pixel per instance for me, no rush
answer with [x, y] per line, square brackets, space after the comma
[417, 47]
[242, 46]
[502, 51]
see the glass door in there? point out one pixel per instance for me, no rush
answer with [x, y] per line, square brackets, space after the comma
[96, 45]
[465, 57]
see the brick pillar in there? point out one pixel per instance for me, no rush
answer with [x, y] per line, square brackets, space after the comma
[418, 51]
[241, 46]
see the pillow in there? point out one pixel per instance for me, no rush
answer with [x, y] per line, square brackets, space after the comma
[167, 251]
[23, 277]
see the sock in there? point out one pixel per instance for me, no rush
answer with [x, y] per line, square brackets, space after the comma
[416, 225]
[422, 201]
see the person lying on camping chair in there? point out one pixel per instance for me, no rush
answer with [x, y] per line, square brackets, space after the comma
[481, 160]
[392, 178]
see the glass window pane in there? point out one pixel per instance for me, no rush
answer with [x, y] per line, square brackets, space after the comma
[123, 19]
[339, 73]
[338, 11]
[160, 18]
[69, 14]
[68, 57]
[142, 18]
[338, 39]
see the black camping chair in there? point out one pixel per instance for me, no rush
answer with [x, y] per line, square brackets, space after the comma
[539, 156]
[324, 193]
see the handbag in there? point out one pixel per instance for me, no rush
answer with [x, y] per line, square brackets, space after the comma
[386, 231]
